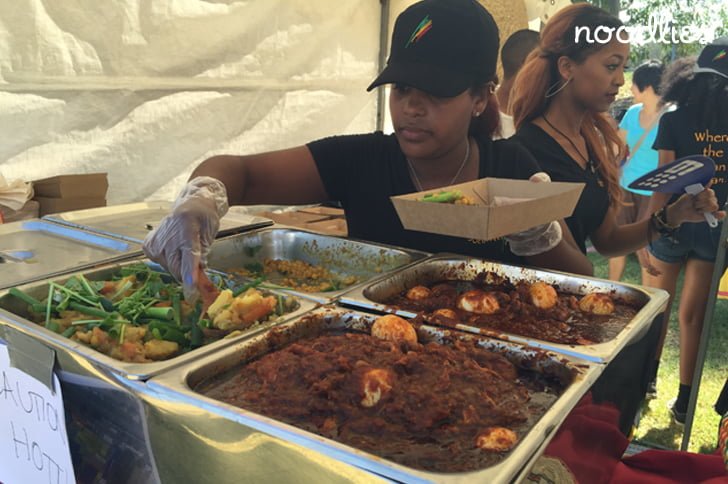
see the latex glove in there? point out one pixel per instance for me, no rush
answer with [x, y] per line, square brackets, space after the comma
[181, 242]
[539, 239]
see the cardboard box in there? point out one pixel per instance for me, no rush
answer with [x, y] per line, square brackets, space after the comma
[535, 204]
[30, 210]
[87, 185]
[55, 205]
[332, 212]
[295, 218]
[334, 226]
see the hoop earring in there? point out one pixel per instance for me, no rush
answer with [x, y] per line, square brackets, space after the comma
[551, 93]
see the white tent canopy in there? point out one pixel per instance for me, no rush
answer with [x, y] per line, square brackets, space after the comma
[146, 89]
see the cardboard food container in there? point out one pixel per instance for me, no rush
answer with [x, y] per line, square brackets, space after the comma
[527, 205]
[85, 185]
[49, 205]
[295, 218]
[332, 212]
[334, 226]
[30, 210]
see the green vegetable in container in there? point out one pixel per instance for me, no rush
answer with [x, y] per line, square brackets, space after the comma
[123, 317]
[443, 197]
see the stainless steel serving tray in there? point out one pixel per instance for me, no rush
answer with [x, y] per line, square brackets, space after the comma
[133, 221]
[367, 261]
[444, 266]
[14, 313]
[36, 249]
[177, 386]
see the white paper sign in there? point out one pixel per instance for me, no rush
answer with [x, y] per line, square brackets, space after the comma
[33, 439]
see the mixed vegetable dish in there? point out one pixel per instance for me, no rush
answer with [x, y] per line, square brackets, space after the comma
[140, 315]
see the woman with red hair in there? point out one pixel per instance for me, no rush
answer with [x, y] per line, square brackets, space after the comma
[559, 103]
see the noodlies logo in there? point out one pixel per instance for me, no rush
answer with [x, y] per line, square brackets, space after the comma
[660, 29]
[424, 26]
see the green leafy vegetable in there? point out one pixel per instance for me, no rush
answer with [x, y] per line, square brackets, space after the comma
[443, 197]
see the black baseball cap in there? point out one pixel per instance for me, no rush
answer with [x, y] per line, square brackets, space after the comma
[442, 47]
[713, 58]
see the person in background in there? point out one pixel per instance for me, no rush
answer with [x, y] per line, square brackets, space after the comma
[444, 112]
[513, 55]
[699, 125]
[638, 129]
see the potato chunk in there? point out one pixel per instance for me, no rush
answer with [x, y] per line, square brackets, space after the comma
[597, 303]
[496, 439]
[376, 383]
[394, 328]
[159, 349]
[543, 295]
[418, 293]
[477, 301]
[231, 313]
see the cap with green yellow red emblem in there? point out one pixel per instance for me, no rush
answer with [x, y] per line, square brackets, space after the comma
[442, 47]
[713, 58]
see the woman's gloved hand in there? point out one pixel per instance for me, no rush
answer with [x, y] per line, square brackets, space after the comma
[181, 242]
[539, 239]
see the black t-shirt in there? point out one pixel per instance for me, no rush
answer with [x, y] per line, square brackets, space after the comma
[363, 171]
[593, 204]
[681, 132]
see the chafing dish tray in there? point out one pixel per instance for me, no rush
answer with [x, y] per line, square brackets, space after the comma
[16, 314]
[35, 249]
[648, 302]
[575, 377]
[132, 222]
[344, 259]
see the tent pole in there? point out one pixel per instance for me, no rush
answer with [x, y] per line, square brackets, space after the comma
[705, 335]
[383, 44]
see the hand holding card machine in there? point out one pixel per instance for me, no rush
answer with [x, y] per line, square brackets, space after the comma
[689, 174]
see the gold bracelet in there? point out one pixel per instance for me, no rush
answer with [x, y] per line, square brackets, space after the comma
[663, 218]
[657, 220]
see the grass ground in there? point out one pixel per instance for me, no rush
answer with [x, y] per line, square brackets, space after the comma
[656, 426]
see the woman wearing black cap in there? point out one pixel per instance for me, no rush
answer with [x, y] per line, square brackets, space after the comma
[444, 112]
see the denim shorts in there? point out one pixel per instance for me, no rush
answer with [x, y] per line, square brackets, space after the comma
[692, 241]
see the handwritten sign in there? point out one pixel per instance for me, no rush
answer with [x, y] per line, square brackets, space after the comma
[33, 439]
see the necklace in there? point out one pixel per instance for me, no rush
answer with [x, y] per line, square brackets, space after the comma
[586, 159]
[418, 185]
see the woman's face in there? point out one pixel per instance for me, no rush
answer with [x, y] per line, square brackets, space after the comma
[597, 80]
[430, 127]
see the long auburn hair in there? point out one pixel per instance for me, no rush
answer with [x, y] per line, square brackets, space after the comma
[540, 72]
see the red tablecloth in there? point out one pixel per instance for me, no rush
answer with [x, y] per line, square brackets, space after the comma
[591, 446]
